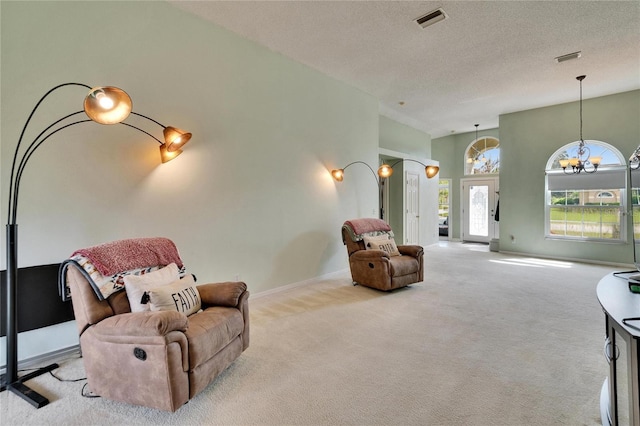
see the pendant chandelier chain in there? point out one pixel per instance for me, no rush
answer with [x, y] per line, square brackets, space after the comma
[583, 159]
[581, 139]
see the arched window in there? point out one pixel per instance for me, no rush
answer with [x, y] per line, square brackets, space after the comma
[605, 194]
[586, 206]
[482, 156]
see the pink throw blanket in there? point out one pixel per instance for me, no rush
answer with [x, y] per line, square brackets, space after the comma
[124, 255]
[362, 226]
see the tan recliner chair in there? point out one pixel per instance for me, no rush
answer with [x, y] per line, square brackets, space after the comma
[380, 268]
[158, 359]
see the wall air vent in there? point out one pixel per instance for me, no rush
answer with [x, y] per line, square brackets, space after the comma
[431, 18]
[568, 57]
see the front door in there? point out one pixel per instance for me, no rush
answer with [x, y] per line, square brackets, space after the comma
[478, 210]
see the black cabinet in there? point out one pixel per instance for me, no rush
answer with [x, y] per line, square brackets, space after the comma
[620, 395]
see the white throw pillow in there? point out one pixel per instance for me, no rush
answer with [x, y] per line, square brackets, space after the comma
[181, 296]
[385, 243]
[136, 285]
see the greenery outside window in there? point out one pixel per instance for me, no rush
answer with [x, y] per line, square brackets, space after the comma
[444, 192]
[586, 206]
[443, 199]
[635, 205]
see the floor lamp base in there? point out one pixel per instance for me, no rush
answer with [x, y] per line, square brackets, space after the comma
[25, 392]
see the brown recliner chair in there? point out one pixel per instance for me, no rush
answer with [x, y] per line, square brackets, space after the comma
[158, 359]
[383, 269]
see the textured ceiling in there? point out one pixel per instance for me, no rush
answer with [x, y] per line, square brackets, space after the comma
[487, 58]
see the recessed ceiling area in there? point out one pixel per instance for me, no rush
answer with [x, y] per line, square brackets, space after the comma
[485, 59]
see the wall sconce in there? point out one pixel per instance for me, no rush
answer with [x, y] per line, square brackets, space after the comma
[103, 105]
[385, 170]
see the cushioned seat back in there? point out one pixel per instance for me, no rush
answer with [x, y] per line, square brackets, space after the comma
[96, 275]
[354, 229]
[87, 309]
[119, 303]
[352, 246]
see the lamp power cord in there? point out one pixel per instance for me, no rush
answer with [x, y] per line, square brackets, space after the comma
[83, 392]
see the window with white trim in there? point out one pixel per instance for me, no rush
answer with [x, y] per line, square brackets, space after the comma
[586, 206]
[482, 156]
[444, 195]
[635, 209]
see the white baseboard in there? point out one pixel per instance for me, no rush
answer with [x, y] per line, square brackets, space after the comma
[45, 359]
[286, 287]
[568, 259]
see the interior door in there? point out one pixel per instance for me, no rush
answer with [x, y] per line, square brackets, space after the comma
[412, 199]
[384, 200]
[478, 210]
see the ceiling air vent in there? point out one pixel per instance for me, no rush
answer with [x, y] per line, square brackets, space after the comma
[431, 18]
[568, 57]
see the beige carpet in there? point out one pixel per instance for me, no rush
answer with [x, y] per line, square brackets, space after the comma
[487, 339]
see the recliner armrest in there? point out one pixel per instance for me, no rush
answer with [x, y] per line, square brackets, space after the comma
[411, 250]
[221, 294]
[369, 255]
[158, 323]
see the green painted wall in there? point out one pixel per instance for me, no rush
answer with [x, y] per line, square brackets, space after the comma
[402, 138]
[528, 139]
[251, 196]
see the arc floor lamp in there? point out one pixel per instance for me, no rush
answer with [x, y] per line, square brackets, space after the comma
[103, 105]
[384, 171]
[338, 175]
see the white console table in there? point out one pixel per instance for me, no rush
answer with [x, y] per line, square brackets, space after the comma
[620, 394]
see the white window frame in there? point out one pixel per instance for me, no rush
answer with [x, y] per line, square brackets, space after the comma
[610, 174]
[470, 146]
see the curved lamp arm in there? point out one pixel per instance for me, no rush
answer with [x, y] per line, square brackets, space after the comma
[165, 154]
[174, 138]
[24, 129]
[338, 174]
[385, 170]
[23, 163]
